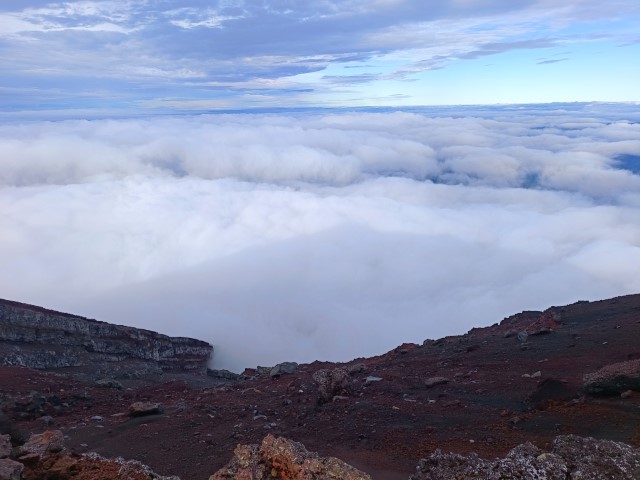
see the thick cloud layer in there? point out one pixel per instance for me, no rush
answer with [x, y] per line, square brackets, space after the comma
[321, 235]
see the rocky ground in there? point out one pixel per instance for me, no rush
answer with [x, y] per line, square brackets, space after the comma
[485, 392]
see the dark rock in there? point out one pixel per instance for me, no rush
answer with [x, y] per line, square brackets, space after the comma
[47, 420]
[285, 459]
[283, 368]
[548, 391]
[5, 446]
[109, 383]
[614, 379]
[357, 368]
[10, 470]
[223, 375]
[142, 409]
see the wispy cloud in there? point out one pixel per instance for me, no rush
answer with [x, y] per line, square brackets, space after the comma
[553, 60]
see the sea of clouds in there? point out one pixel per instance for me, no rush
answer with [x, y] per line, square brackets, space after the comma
[324, 234]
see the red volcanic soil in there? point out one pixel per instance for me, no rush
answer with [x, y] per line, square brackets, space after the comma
[494, 399]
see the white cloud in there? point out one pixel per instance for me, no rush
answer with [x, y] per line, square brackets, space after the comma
[311, 236]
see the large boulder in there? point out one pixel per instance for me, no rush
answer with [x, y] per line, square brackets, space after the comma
[614, 379]
[284, 459]
[571, 457]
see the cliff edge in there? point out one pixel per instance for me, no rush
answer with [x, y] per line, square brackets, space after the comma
[35, 337]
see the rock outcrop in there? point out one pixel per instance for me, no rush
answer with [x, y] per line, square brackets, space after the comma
[286, 460]
[38, 338]
[571, 457]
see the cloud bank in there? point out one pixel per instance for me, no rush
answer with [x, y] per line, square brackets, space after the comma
[321, 235]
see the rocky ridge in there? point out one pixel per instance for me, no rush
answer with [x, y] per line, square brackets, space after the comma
[35, 337]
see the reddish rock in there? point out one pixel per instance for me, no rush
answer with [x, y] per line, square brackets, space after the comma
[43, 444]
[279, 458]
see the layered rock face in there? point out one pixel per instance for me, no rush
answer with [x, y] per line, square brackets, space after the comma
[38, 338]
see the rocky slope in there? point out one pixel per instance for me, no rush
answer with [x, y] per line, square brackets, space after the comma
[568, 373]
[35, 337]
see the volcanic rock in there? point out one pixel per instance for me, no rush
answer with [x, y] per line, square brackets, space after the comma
[142, 409]
[42, 444]
[357, 368]
[614, 379]
[10, 470]
[284, 459]
[223, 374]
[109, 383]
[371, 379]
[283, 368]
[331, 383]
[571, 457]
[39, 338]
[548, 391]
[5, 446]
[434, 381]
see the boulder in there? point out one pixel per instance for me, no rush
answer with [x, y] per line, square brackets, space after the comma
[331, 383]
[550, 390]
[357, 368]
[283, 368]
[10, 470]
[141, 409]
[614, 379]
[571, 457]
[5, 446]
[371, 379]
[434, 381]
[42, 444]
[285, 459]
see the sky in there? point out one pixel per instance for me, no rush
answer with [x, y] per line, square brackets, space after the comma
[123, 57]
[321, 234]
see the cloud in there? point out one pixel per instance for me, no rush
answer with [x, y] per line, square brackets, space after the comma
[153, 50]
[554, 60]
[321, 235]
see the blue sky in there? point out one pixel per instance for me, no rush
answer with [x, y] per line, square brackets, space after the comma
[151, 55]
